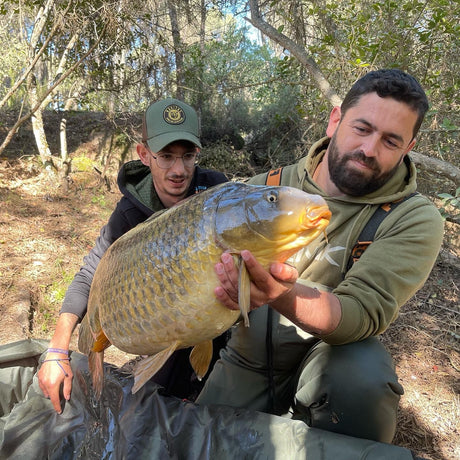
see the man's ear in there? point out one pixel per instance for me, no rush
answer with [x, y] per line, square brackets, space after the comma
[408, 149]
[410, 146]
[334, 120]
[143, 154]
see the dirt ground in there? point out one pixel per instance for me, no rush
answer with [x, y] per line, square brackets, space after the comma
[45, 233]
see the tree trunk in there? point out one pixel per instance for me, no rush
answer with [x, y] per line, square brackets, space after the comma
[200, 88]
[177, 50]
[38, 127]
[64, 169]
[40, 139]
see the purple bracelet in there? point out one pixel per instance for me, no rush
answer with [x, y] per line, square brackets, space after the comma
[59, 364]
[58, 350]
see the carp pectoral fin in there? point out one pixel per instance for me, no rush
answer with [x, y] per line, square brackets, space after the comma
[96, 367]
[244, 291]
[88, 340]
[200, 358]
[148, 367]
[102, 342]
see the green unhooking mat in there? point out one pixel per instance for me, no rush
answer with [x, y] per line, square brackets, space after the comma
[148, 424]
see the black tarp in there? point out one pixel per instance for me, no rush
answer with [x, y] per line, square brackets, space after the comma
[148, 424]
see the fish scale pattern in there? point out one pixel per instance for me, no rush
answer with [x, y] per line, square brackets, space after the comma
[154, 282]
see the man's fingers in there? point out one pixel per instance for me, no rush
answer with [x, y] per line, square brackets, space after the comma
[266, 286]
[259, 275]
[43, 388]
[55, 401]
[67, 388]
[228, 276]
[225, 299]
[50, 379]
[284, 272]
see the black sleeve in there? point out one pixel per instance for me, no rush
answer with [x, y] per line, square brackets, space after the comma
[124, 218]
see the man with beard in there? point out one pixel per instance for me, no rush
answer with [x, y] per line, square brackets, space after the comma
[312, 350]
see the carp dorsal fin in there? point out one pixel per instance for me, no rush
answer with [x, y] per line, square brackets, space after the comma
[200, 358]
[244, 291]
[148, 367]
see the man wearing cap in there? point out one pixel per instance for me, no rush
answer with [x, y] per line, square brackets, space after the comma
[164, 175]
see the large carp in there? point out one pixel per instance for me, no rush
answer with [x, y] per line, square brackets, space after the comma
[153, 290]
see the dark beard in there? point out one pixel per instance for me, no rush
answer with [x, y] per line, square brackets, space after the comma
[353, 182]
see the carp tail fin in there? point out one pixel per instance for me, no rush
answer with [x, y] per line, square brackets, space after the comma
[96, 367]
[200, 358]
[244, 291]
[148, 367]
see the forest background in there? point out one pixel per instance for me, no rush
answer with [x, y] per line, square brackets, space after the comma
[76, 76]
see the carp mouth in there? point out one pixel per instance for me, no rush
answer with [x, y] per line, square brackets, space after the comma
[317, 216]
[312, 221]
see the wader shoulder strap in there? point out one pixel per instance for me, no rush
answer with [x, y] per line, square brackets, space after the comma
[274, 177]
[368, 232]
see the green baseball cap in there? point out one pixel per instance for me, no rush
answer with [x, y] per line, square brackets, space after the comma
[167, 121]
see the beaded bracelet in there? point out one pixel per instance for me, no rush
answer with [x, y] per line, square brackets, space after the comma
[58, 350]
[59, 364]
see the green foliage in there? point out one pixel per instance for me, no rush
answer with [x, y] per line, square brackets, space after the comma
[221, 156]
[279, 130]
[99, 200]
[55, 293]
[12, 59]
[348, 38]
[450, 203]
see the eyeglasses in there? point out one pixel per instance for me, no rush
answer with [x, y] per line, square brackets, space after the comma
[167, 160]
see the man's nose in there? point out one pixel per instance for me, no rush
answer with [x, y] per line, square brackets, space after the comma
[178, 165]
[370, 146]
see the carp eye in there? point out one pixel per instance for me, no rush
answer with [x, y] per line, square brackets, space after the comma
[272, 197]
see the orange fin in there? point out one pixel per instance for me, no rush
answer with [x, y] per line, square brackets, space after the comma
[148, 367]
[96, 367]
[90, 341]
[101, 343]
[200, 358]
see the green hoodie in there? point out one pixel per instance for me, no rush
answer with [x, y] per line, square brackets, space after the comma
[392, 268]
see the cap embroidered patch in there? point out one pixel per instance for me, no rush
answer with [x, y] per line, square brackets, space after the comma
[174, 115]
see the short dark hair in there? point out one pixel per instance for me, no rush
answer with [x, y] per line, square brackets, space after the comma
[392, 83]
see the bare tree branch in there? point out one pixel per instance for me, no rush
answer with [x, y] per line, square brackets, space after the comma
[29, 69]
[296, 50]
[23, 119]
[436, 166]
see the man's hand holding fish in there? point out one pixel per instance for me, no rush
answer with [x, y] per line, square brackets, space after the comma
[310, 309]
